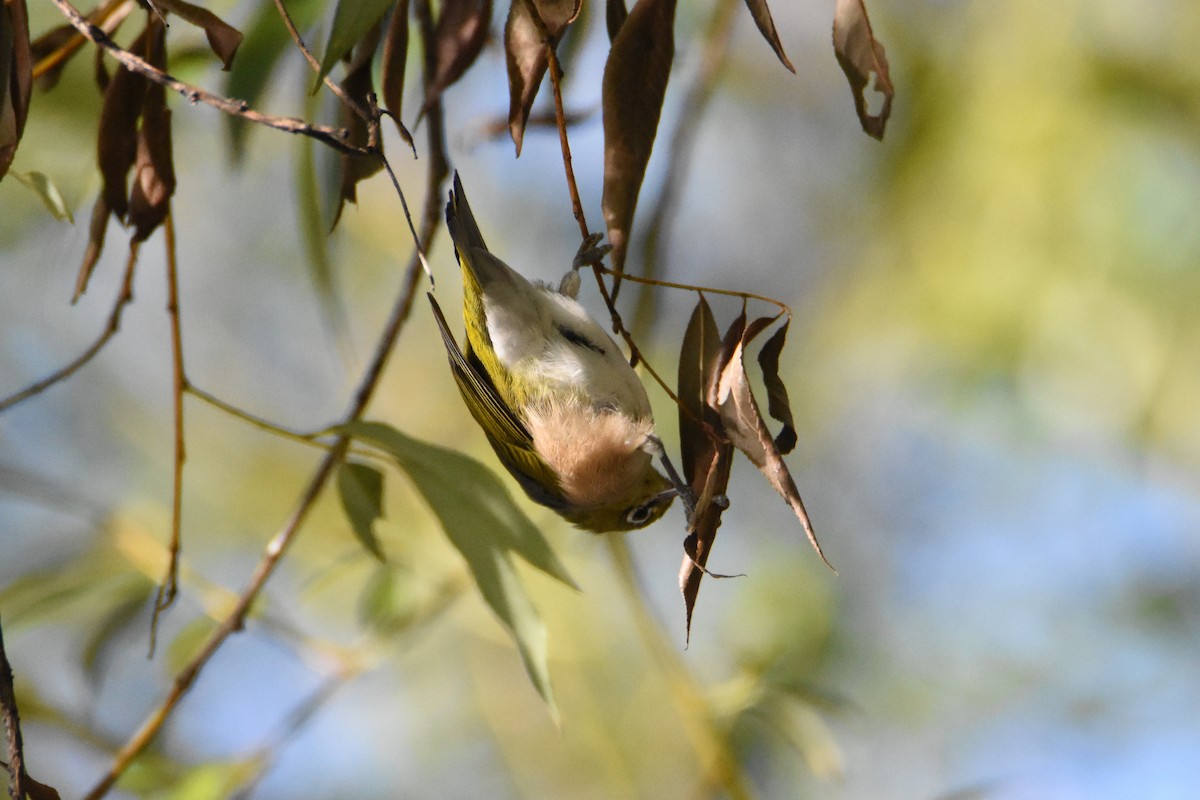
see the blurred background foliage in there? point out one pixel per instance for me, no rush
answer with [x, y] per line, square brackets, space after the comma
[996, 368]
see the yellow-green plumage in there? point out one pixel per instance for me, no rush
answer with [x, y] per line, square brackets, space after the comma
[560, 405]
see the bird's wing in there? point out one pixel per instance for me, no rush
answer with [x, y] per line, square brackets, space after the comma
[507, 434]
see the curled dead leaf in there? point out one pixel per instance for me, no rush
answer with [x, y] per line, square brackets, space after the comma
[460, 34]
[154, 169]
[743, 422]
[778, 404]
[635, 84]
[615, 14]
[525, 53]
[766, 26]
[116, 145]
[706, 456]
[358, 86]
[223, 38]
[96, 231]
[394, 61]
[860, 55]
[16, 78]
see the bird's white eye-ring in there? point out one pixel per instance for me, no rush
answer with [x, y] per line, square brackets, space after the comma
[638, 515]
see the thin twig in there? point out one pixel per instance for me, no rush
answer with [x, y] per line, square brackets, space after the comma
[333, 86]
[12, 726]
[169, 586]
[254, 420]
[278, 544]
[784, 308]
[334, 137]
[124, 296]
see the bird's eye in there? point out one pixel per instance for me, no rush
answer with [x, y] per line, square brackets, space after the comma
[639, 515]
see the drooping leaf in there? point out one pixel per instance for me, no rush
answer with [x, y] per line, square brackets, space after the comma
[743, 421]
[525, 54]
[615, 14]
[697, 357]
[486, 527]
[635, 83]
[352, 20]
[360, 489]
[459, 36]
[36, 790]
[97, 229]
[47, 192]
[117, 143]
[860, 55]
[61, 42]
[223, 38]
[766, 26]
[265, 43]
[16, 78]
[706, 461]
[778, 404]
[154, 169]
[394, 62]
[358, 86]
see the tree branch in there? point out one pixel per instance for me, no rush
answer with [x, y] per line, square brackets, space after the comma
[334, 137]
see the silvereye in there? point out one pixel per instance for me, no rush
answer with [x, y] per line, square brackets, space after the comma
[561, 406]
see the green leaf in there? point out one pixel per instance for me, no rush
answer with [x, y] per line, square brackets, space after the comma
[360, 488]
[483, 524]
[351, 21]
[47, 192]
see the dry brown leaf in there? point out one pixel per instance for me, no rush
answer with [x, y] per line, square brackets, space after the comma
[525, 54]
[154, 169]
[860, 54]
[635, 83]
[394, 61]
[16, 78]
[116, 145]
[778, 404]
[615, 14]
[766, 26]
[96, 231]
[223, 38]
[743, 421]
[706, 460]
[461, 32]
[358, 86]
[63, 41]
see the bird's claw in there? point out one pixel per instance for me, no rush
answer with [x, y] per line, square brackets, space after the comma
[591, 252]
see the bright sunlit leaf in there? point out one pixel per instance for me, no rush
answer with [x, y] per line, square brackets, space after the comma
[47, 192]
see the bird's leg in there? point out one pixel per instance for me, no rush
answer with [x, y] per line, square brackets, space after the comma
[654, 447]
[589, 254]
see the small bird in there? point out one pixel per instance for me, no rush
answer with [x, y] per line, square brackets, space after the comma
[561, 406]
